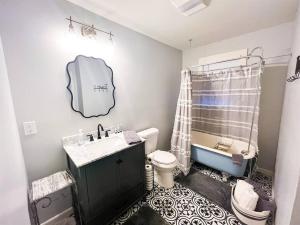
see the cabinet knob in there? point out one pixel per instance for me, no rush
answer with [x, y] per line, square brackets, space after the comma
[119, 161]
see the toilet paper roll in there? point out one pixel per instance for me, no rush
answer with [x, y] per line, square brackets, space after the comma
[148, 167]
[149, 172]
[149, 177]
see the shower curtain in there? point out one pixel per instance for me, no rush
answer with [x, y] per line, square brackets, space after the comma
[225, 103]
[181, 137]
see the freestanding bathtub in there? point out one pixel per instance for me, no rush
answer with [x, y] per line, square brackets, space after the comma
[203, 151]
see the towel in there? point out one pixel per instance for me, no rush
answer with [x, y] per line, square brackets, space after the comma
[263, 205]
[131, 137]
[240, 188]
[249, 200]
[245, 195]
[237, 159]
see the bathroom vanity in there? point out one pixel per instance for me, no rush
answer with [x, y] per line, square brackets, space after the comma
[109, 175]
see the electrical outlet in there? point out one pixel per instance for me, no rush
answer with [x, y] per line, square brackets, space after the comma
[30, 128]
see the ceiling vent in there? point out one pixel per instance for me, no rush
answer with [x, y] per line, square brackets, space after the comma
[189, 7]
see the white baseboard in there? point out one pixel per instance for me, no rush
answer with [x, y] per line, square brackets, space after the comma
[265, 171]
[65, 214]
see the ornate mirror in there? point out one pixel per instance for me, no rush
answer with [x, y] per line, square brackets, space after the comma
[91, 86]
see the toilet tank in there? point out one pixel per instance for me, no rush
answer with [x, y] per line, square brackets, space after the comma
[151, 136]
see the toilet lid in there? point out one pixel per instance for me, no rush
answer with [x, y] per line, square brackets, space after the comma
[164, 157]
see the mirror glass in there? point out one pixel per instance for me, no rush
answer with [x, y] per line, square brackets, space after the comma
[91, 86]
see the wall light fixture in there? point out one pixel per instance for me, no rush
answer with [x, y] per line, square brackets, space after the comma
[87, 30]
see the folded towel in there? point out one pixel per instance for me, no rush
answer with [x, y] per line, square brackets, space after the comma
[240, 188]
[249, 200]
[131, 137]
[237, 159]
[245, 195]
[242, 185]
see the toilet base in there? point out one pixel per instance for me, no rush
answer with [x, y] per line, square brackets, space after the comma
[164, 178]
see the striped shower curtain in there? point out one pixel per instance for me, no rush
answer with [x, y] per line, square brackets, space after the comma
[181, 137]
[225, 103]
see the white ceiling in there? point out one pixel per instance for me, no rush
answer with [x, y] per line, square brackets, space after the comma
[223, 19]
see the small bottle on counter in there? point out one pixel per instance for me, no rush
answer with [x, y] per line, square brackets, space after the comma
[80, 137]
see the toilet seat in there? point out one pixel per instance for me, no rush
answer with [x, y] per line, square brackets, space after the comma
[164, 158]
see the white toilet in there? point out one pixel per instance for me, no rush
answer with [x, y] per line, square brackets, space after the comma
[164, 162]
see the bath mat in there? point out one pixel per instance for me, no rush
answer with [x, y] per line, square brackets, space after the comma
[146, 216]
[214, 190]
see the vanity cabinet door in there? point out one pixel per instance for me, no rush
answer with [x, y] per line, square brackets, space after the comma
[132, 170]
[102, 182]
[132, 163]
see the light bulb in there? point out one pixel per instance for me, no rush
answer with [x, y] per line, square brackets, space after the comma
[71, 27]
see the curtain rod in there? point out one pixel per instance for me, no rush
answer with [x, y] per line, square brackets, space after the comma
[242, 57]
[229, 60]
[232, 67]
[278, 56]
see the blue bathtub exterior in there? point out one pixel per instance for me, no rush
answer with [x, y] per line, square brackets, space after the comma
[218, 161]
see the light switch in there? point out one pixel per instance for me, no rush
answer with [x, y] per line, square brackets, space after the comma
[30, 128]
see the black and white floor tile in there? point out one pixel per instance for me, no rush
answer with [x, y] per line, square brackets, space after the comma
[123, 218]
[213, 173]
[182, 206]
[264, 182]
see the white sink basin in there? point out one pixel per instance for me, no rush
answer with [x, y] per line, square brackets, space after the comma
[91, 151]
[106, 144]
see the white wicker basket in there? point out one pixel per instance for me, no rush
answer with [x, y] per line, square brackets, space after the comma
[247, 216]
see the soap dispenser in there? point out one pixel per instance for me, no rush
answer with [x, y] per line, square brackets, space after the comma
[80, 137]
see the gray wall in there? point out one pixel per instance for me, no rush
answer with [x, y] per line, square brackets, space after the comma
[271, 100]
[13, 178]
[37, 47]
[275, 41]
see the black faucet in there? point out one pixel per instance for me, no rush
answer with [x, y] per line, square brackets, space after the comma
[91, 137]
[106, 133]
[99, 135]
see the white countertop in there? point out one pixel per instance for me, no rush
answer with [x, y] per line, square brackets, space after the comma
[89, 152]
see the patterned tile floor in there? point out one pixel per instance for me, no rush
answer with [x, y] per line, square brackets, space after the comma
[264, 182]
[182, 206]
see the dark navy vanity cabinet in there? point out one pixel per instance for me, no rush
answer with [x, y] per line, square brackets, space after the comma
[110, 185]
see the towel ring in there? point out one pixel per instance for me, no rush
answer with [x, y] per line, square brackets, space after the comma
[297, 72]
